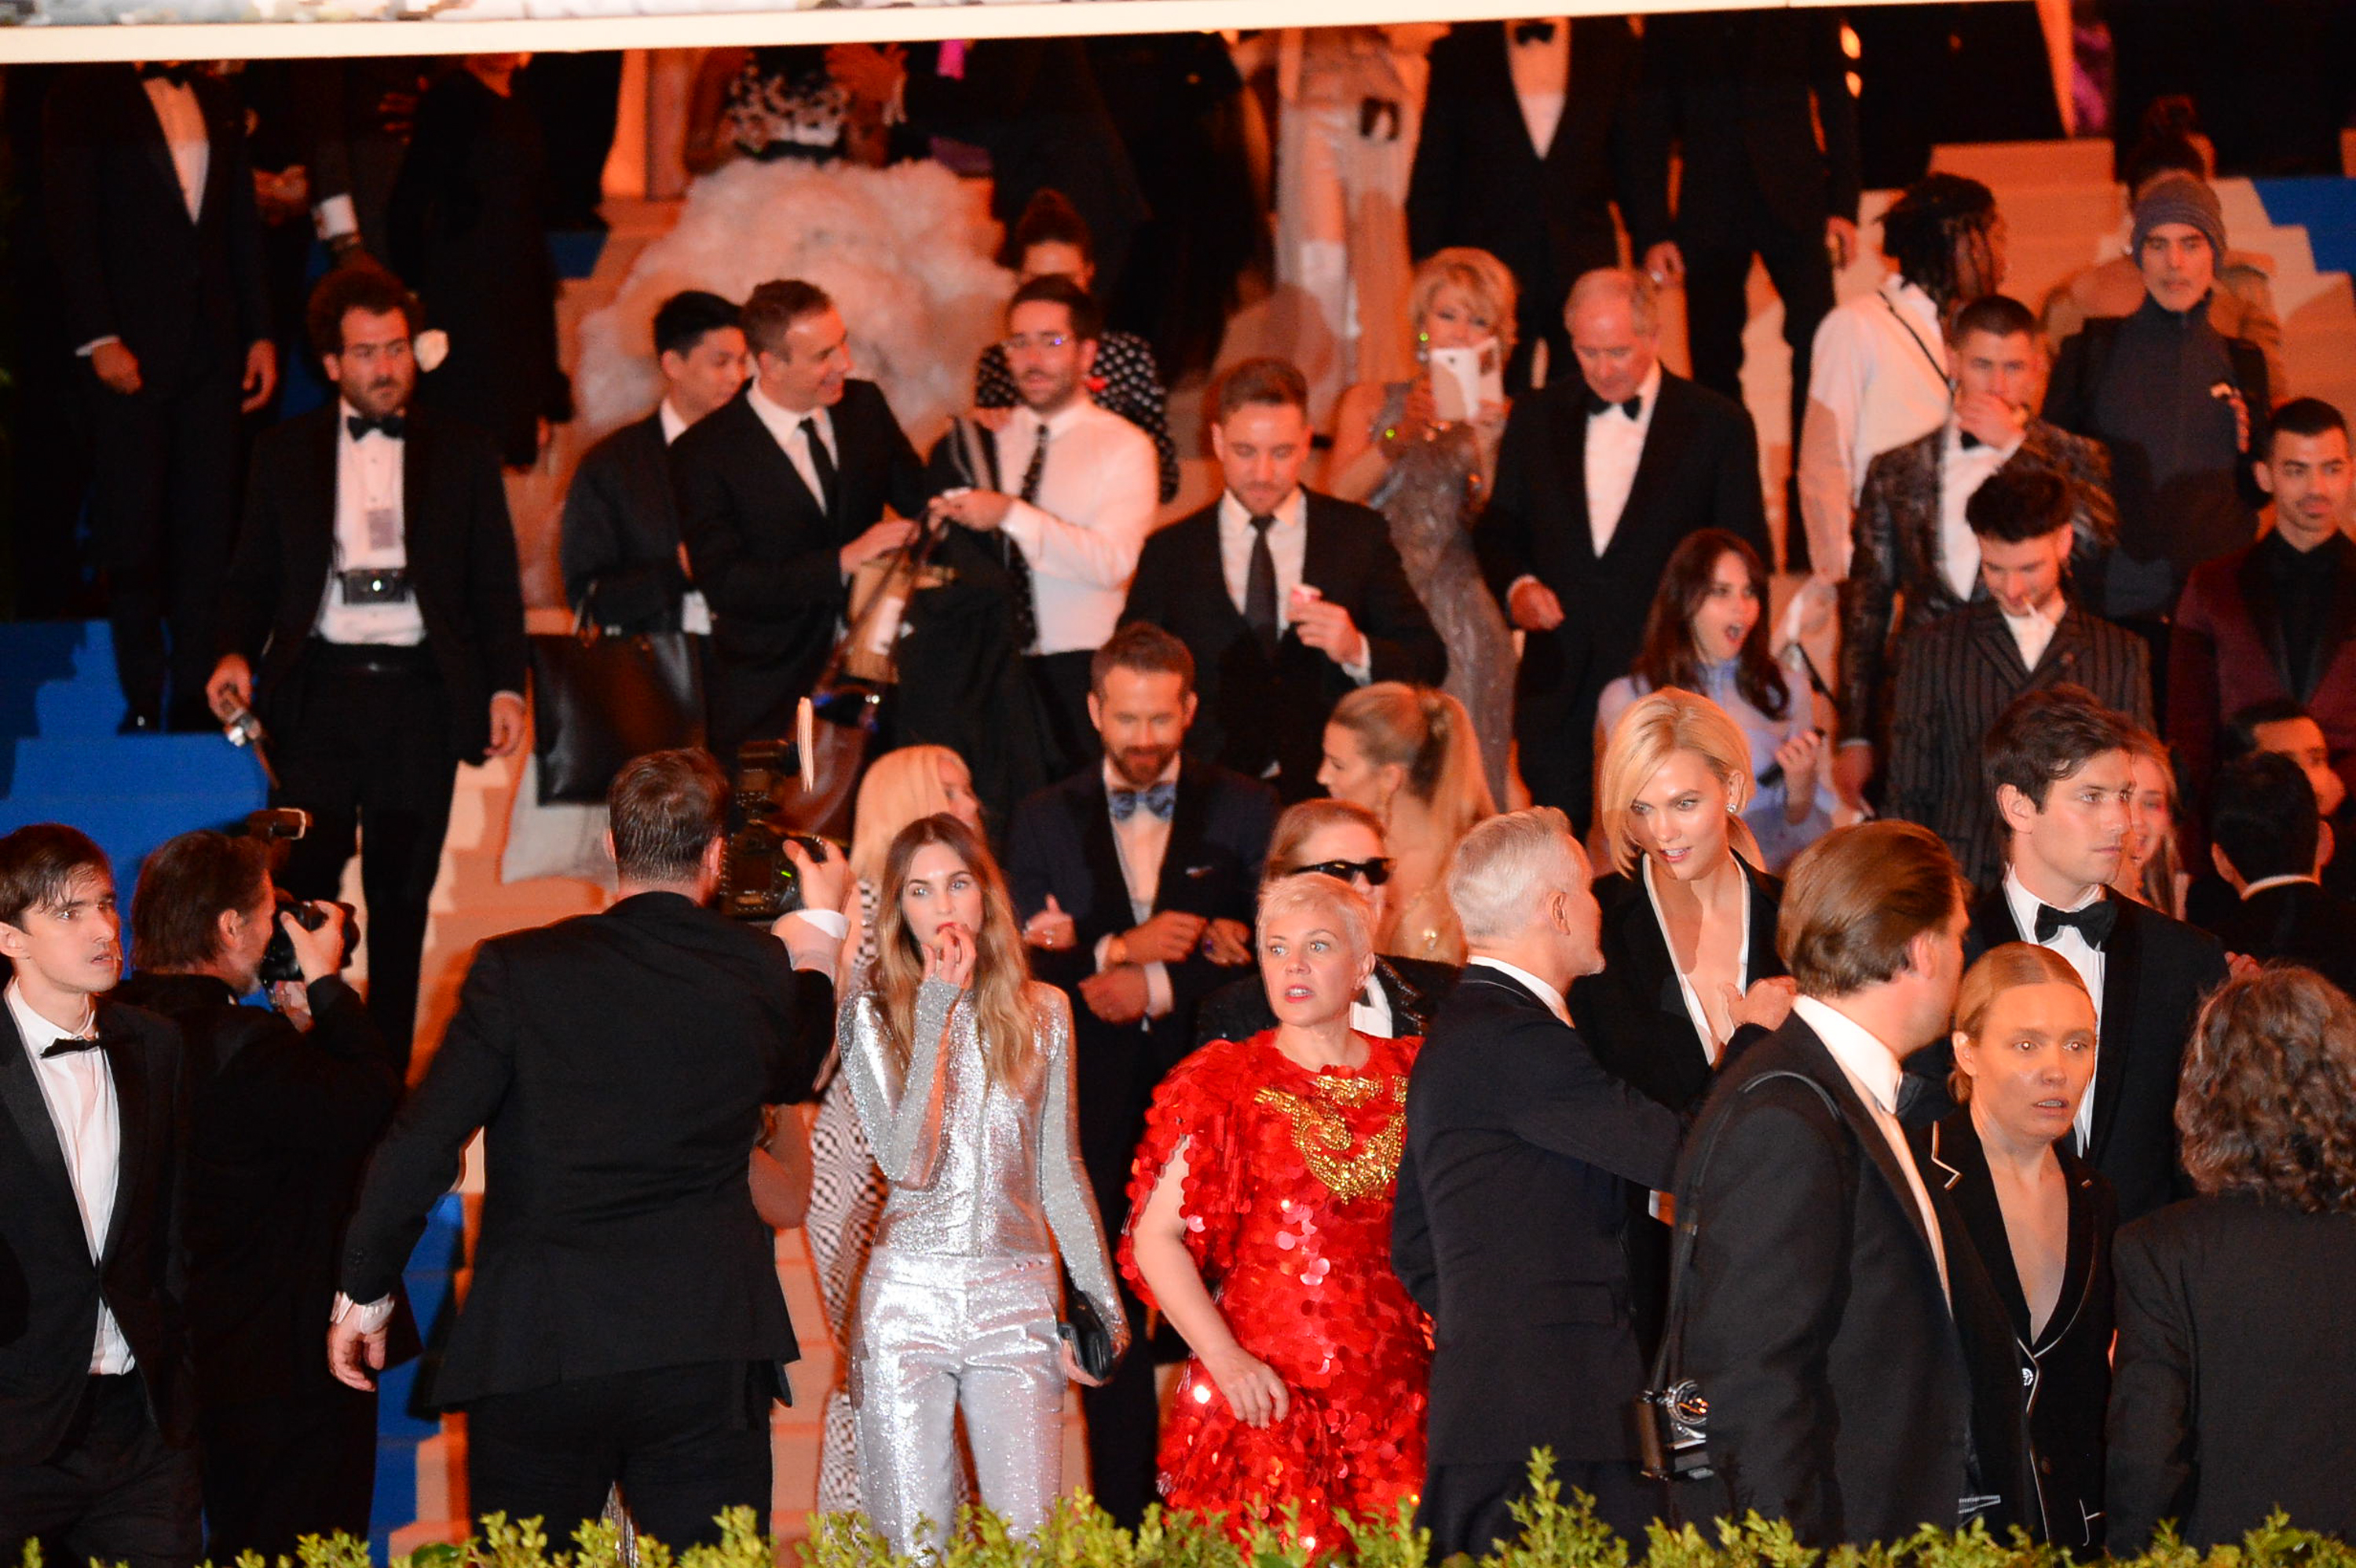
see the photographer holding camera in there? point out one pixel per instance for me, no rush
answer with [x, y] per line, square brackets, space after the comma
[284, 1106]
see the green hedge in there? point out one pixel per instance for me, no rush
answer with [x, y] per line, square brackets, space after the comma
[1556, 1534]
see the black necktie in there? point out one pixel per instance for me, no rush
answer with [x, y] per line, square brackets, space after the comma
[1596, 407]
[821, 464]
[1026, 599]
[177, 74]
[1259, 586]
[2093, 922]
[1534, 32]
[392, 426]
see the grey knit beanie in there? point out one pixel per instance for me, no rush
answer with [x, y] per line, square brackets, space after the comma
[2179, 197]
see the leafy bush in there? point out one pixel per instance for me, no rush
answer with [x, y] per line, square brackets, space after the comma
[1555, 1534]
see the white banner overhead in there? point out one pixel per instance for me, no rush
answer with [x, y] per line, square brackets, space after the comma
[46, 31]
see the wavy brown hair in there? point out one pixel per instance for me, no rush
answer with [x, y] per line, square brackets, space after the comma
[2267, 1104]
[1002, 975]
[1668, 657]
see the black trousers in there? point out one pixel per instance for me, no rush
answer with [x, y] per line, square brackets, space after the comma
[163, 513]
[1061, 681]
[1467, 1508]
[368, 754]
[683, 1443]
[277, 1469]
[114, 1491]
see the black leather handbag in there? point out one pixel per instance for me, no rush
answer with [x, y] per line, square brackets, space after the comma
[1087, 1333]
[600, 698]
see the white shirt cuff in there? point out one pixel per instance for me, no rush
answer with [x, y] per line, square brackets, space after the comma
[1104, 943]
[1023, 525]
[94, 345]
[368, 1316]
[830, 922]
[334, 217]
[1159, 999]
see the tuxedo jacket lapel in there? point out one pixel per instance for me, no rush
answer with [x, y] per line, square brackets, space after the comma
[2338, 626]
[126, 1059]
[1570, 417]
[1109, 904]
[1665, 439]
[2122, 968]
[1992, 641]
[148, 126]
[2257, 585]
[1187, 825]
[1868, 1129]
[29, 1109]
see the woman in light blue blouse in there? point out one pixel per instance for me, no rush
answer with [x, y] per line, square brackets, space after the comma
[1707, 634]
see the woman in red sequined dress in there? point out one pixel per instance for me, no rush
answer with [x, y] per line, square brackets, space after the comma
[1261, 1204]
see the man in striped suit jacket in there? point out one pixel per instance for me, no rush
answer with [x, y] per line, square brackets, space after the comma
[1957, 675]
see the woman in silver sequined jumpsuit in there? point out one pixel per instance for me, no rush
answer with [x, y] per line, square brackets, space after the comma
[962, 1069]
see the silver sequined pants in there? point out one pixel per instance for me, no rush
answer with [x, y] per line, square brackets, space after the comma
[939, 1334]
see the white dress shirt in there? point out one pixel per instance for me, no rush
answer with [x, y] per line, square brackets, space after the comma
[2032, 630]
[369, 532]
[1140, 842]
[694, 613]
[2083, 956]
[1541, 68]
[1876, 1074]
[78, 1089]
[1877, 379]
[183, 120]
[784, 427]
[1962, 471]
[1098, 493]
[1287, 547]
[1537, 988]
[1615, 445]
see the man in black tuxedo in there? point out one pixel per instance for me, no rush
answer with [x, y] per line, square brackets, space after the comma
[1757, 104]
[2270, 844]
[372, 612]
[626, 1325]
[1598, 477]
[781, 496]
[2028, 632]
[97, 1452]
[1135, 881]
[1286, 599]
[158, 250]
[283, 1114]
[620, 537]
[2057, 769]
[1861, 1375]
[1513, 1198]
[1525, 144]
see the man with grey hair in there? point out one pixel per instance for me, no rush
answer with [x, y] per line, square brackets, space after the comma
[1512, 1194]
[1599, 479]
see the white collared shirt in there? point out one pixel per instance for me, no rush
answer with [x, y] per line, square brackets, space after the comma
[1098, 493]
[694, 613]
[1877, 379]
[1961, 474]
[2083, 956]
[2032, 630]
[370, 531]
[183, 120]
[78, 1088]
[1615, 445]
[1371, 1013]
[1541, 69]
[1874, 1072]
[1287, 547]
[1537, 988]
[2286, 879]
[784, 427]
[1140, 842]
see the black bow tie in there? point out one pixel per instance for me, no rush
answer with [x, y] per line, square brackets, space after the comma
[1534, 32]
[391, 426]
[1967, 441]
[177, 75]
[2094, 922]
[1597, 408]
[71, 1043]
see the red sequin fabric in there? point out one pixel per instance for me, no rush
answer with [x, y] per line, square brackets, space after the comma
[1289, 1181]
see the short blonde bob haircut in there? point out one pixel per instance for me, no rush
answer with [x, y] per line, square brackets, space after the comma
[2005, 967]
[1314, 891]
[1659, 726]
[1487, 282]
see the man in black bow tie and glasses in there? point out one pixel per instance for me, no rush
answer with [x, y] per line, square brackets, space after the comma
[2058, 767]
[373, 619]
[1135, 879]
[1599, 478]
[97, 1449]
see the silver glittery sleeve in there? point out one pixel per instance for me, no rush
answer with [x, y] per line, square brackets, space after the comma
[900, 1112]
[1065, 1192]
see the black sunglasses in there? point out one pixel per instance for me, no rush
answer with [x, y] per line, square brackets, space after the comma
[1376, 871]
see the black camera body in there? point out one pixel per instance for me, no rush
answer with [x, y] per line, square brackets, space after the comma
[1673, 1433]
[278, 960]
[758, 883]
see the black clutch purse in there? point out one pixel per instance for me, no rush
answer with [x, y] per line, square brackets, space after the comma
[1086, 1331]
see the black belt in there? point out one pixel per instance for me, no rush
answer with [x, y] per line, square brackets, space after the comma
[373, 658]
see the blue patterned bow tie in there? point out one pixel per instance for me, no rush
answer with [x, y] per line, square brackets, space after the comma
[1160, 799]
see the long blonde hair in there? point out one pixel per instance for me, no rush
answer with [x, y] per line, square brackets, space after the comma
[900, 787]
[1426, 732]
[1658, 726]
[1002, 975]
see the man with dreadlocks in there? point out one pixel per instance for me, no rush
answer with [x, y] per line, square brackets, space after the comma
[1879, 376]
